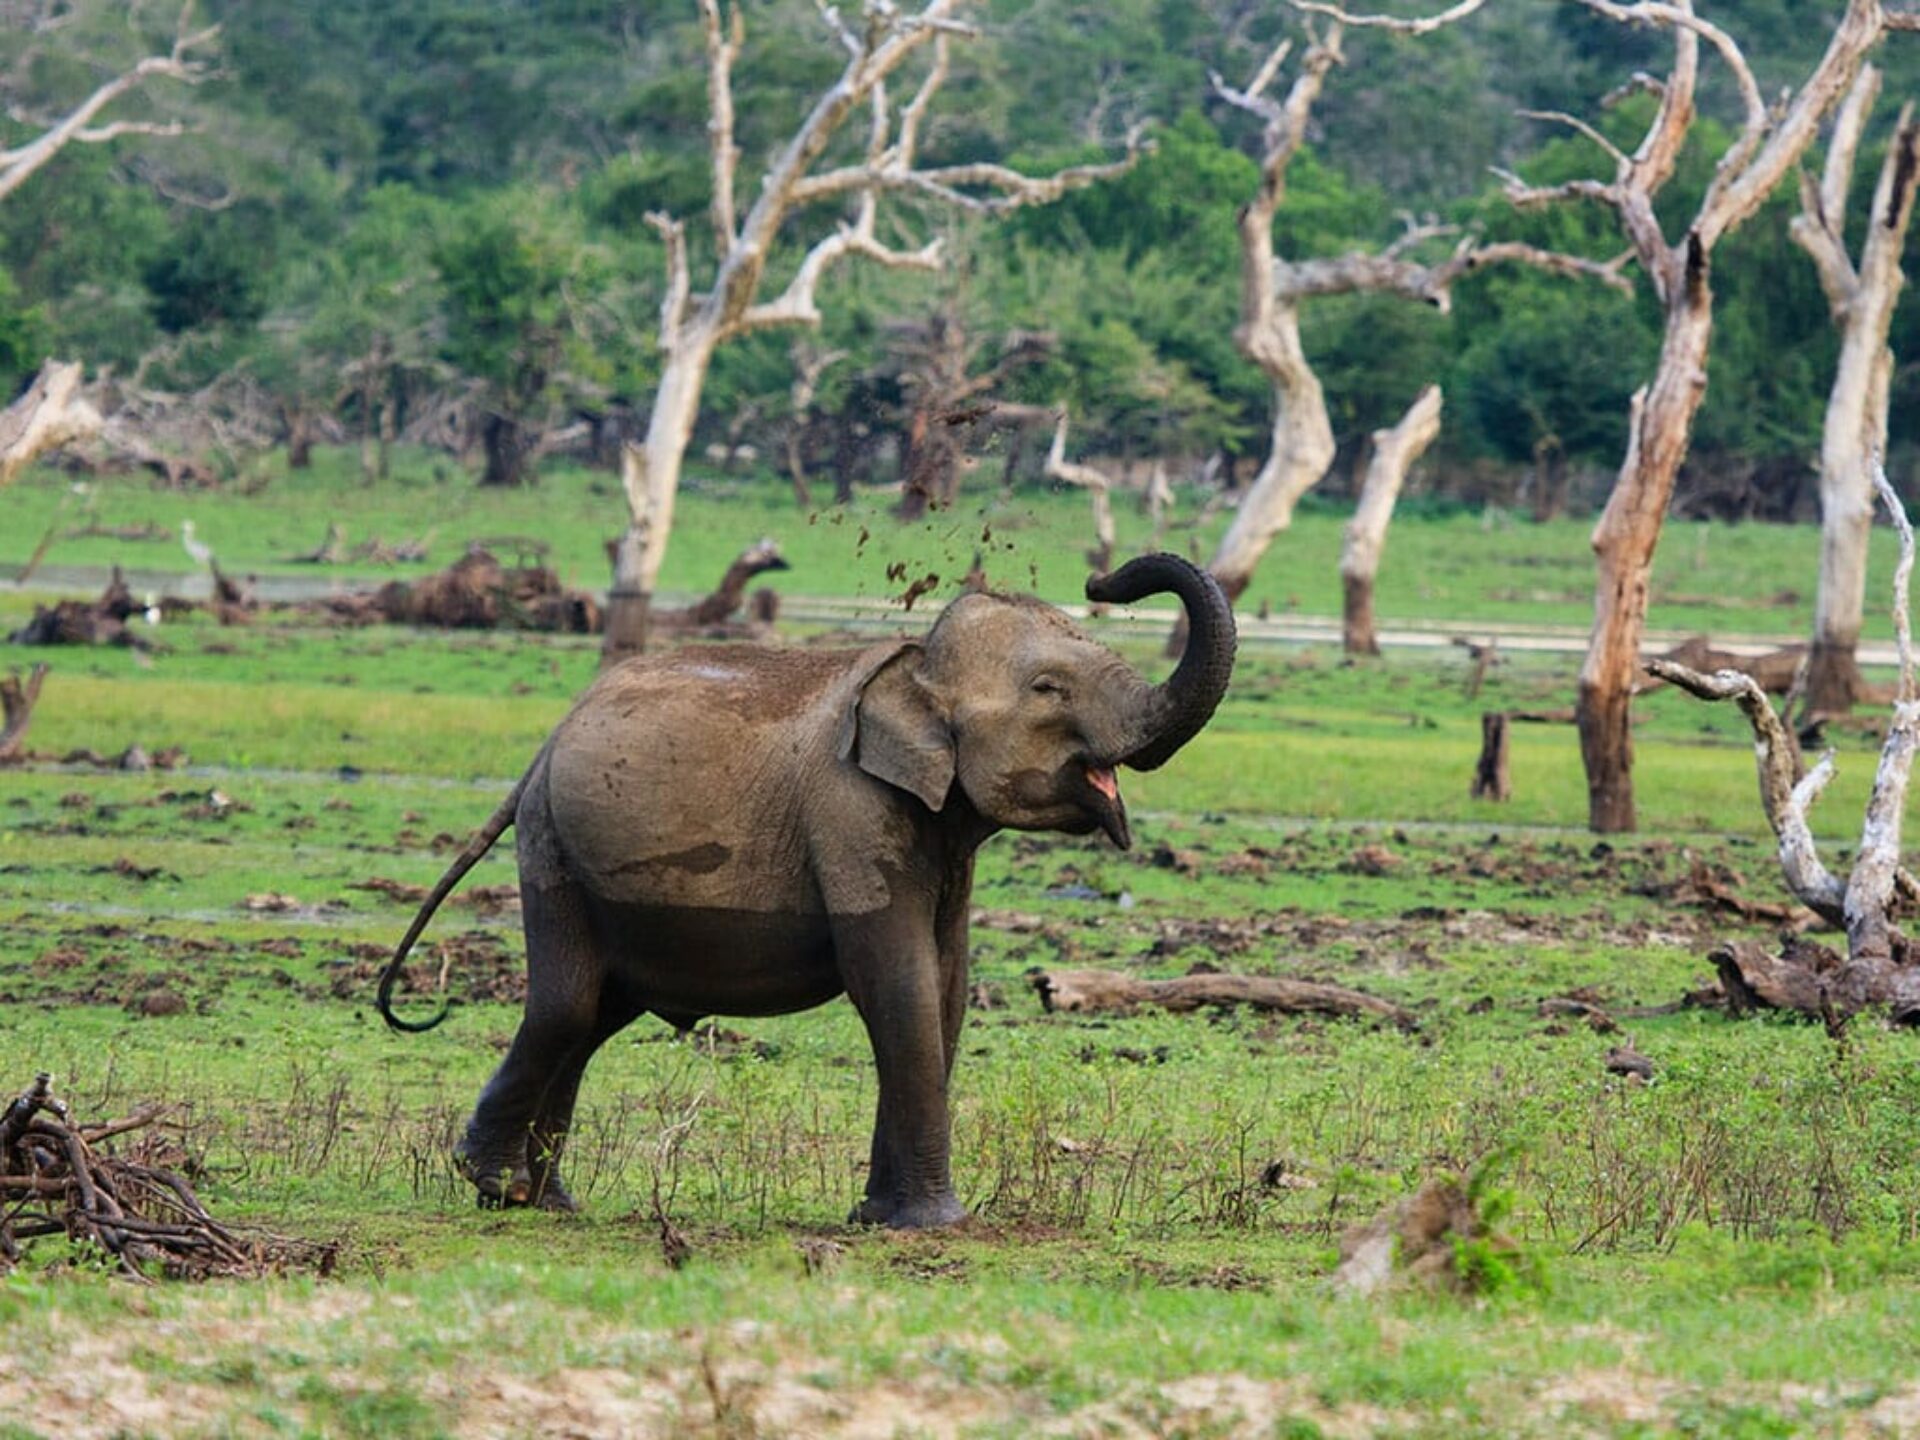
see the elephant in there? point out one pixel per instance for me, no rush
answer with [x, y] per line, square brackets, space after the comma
[746, 830]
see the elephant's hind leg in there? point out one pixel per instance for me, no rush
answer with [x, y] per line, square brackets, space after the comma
[558, 1033]
[554, 1120]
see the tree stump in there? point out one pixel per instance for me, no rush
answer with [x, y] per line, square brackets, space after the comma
[1491, 777]
[18, 701]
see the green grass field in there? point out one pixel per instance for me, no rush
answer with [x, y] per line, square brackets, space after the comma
[1729, 1250]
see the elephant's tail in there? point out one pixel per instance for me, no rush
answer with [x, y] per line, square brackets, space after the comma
[478, 846]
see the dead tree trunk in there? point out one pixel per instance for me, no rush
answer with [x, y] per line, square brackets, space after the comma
[50, 413]
[693, 326]
[1272, 290]
[1394, 451]
[16, 708]
[1095, 483]
[1862, 302]
[1660, 427]
[1878, 968]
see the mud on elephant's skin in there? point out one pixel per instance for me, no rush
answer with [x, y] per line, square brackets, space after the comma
[751, 831]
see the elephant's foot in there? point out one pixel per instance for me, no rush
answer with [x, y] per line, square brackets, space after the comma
[926, 1213]
[500, 1181]
[550, 1195]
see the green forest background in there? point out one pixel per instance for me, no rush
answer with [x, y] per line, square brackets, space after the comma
[450, 195]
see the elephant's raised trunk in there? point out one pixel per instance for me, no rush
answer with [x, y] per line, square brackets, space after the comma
[1176, 710]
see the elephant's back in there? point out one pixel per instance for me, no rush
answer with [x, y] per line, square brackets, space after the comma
[679, 779]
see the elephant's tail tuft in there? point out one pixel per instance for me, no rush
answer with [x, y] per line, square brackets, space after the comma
[482, 841]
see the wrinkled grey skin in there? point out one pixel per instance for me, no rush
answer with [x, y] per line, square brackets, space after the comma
[736, 830]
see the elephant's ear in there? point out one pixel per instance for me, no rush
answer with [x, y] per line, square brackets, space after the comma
[896, 732]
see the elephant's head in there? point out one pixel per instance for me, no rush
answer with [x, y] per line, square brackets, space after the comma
[1007, 699]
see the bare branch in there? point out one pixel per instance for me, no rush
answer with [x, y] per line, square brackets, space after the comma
[1849, 124]
[20, 162]
[1523, 196]
[943, 182]
[1902, 577]
[723, 48]
[914, 115]
[797, 304]
[1425, 26]
[1433, 284]
[1754, 126]
[851, 42]
[1784, 799]
[673, 305]
[1738, 191]
[1575, 123]
[1067, 471]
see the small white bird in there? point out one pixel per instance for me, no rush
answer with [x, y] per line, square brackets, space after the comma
[196, 549]
[150, 612]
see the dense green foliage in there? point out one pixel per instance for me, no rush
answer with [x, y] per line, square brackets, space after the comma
[451, 193]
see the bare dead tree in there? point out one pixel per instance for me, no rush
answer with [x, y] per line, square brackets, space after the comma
[693, 325]
[1273, 288]
[1862, 298]
[1097, 486]
[952, 402]
[49, 414]
[1877, 968]
[1394, 451]
[1660, 424]
[185, 62]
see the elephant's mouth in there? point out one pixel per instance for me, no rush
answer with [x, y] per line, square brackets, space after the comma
[1101, 799]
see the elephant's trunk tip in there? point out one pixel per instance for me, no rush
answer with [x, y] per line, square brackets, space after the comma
[1177, 710]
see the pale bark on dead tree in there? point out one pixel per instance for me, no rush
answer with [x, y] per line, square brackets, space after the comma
[1273, 288]
[1394, 451]
[1097, 486]
[693, 326]
[184, 62]
[1660, 422]
[1862, 299]
[1877, 969]
[49, 414]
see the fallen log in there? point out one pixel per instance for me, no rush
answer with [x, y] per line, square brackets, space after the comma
[85, 622]
[49, 414]
[1095, 992]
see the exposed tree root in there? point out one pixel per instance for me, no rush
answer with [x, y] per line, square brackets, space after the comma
[53, 1181]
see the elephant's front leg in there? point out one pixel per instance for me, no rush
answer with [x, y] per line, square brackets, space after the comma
[892, 967]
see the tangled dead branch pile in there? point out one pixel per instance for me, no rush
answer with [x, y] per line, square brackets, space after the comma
[1878, 968]
[54, 1180]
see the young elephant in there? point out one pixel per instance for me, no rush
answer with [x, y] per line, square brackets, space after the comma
[734, 830]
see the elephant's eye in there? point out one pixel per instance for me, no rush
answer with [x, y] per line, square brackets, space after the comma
[1047, 685]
